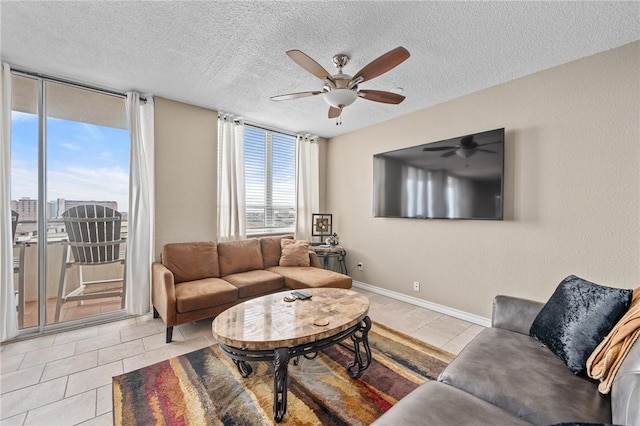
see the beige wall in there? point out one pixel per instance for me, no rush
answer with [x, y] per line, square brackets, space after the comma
[572, 190]
[186, 139]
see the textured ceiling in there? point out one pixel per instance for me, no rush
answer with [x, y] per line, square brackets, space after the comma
[230, 56]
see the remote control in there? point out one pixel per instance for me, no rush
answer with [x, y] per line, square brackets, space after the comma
[301, 295]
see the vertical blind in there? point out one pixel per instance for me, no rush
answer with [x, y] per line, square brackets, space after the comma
[270, 181]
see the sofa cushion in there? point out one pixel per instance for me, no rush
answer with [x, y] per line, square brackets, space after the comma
[202, 294]
[437, 404]
[191, 261]
[294, 253]
[239, 256]
[577, 317]
[301, 277]
[270, 247]
[255, 283]
[518, 374]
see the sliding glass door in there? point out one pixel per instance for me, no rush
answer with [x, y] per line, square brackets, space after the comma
[70, 191]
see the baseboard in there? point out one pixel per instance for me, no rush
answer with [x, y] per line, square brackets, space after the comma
[485, 322]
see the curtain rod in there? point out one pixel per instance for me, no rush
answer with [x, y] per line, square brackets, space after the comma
[267, 128]
[32, 74]
[271, 129]
[284, 132]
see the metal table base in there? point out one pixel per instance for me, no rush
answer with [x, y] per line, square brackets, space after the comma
[281, 356]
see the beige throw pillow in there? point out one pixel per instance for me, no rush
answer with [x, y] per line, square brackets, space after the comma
[294, 253]
[271, 250]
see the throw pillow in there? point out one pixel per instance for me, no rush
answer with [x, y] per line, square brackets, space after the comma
[577, 317]
[294, 253]
[271, 250]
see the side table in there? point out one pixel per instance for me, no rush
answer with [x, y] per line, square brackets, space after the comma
[326, 252]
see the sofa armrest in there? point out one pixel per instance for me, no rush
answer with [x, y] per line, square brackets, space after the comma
[625, 391]
[514, 313]
[313, 259]
[163, 293]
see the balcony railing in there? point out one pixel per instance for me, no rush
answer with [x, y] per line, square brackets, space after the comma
[27, 292]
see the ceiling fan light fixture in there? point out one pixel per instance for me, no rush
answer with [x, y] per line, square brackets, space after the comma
[465, 152]
[340, 98]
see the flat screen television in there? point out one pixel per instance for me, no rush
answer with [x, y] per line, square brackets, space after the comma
[457, 178]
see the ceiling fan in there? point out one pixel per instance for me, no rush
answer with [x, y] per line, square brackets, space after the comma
[341, 90]
[466, 148]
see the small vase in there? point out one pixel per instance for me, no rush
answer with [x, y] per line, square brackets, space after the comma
[332, 240]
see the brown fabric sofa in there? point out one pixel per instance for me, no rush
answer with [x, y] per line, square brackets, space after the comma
[199, 280]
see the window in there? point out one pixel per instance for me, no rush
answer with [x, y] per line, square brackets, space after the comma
[81, 157]
[270, 181]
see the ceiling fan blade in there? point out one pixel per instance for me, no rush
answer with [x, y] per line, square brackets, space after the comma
[384, 63]
[440, 148]
[334, 112]
[488, 143]
[309, 64]
[486, 150]
[297, 95]
[381, 96]
[449, 154]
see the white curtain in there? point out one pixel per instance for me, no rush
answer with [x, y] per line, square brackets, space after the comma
[307, 184]
[8, 319]
[140, 238]
[231, 196]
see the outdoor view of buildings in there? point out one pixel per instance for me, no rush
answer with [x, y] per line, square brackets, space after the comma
[27, 209]
[261, 218]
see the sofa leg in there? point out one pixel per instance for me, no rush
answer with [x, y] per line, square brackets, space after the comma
[169, 334]
[156, 314]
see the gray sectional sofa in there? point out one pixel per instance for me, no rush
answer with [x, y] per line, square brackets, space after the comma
[505, 377]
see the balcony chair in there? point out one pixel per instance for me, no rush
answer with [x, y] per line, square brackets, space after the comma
[94, 239]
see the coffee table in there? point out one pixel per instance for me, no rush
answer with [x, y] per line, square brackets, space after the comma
[269, 329]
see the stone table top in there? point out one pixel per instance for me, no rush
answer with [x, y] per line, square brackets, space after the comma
[325, 248]
[268, 322]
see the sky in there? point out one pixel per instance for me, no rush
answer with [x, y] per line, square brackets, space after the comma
[84, 161]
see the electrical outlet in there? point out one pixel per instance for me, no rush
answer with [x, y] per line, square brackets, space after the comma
[360, 266]
[416, 286]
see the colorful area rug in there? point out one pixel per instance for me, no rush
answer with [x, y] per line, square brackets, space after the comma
[205, 388]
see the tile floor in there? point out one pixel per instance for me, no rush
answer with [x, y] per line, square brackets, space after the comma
[65, 378]
[71, 310]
